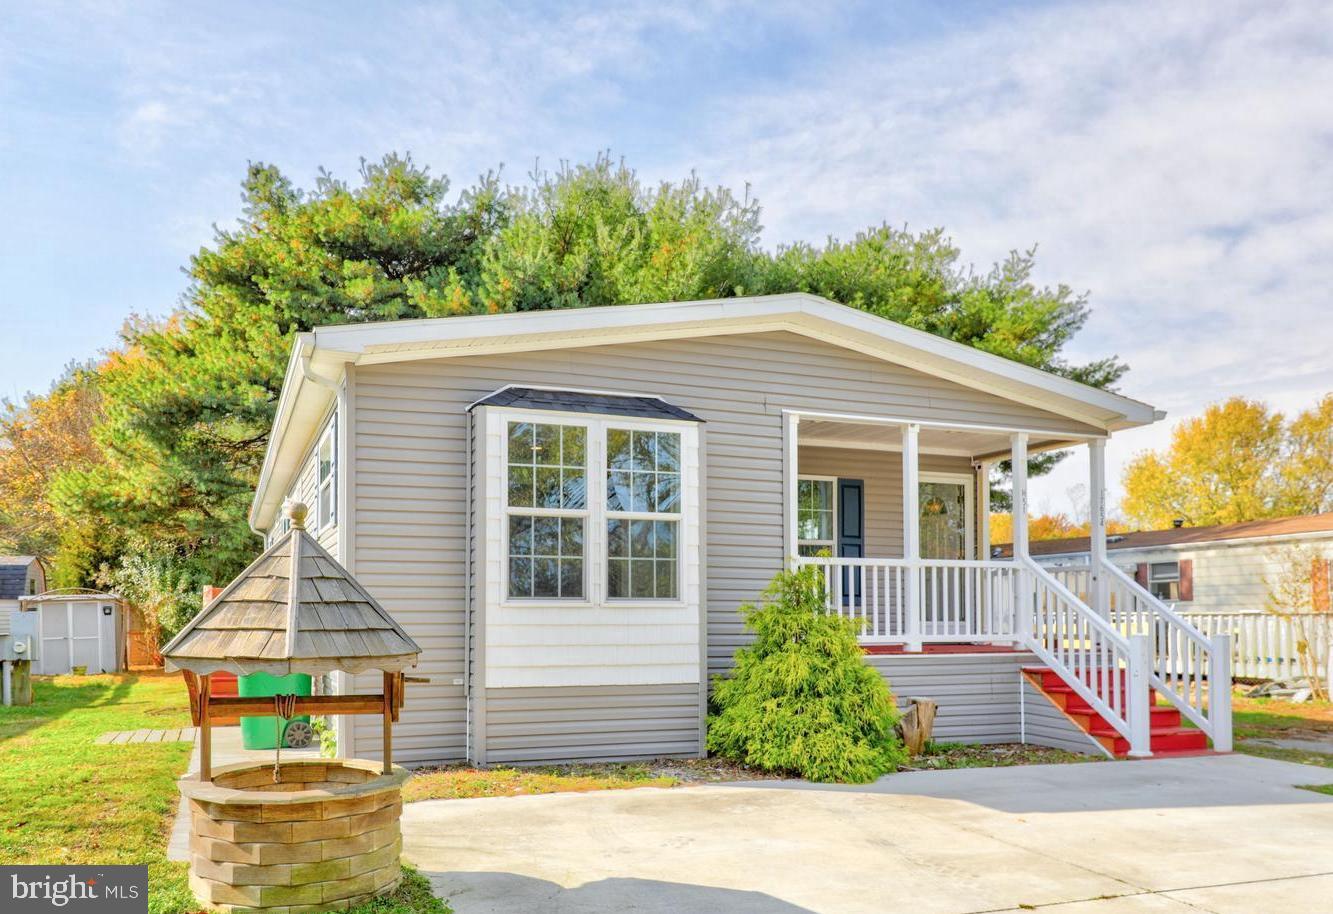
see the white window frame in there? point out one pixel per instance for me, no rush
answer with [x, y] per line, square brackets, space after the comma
[329, 435]
[595, 544]
[608, 515]
[521, 511]
[968, 481]
[832, 544]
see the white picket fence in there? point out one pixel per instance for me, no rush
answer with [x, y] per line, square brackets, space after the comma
[1264, 645]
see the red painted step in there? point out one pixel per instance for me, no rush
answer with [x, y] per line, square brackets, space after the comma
[1167, 735]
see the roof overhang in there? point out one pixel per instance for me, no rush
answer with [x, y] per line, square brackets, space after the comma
[319, 359]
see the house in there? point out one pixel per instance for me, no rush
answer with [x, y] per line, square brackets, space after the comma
[1225, 568]
[20, 575]
[565, 509]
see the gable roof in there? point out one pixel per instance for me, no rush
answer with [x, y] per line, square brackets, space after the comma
[14, 575]
[319, 358]
[1305, 524]
[294, 610]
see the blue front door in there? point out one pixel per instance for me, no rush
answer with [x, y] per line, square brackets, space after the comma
[851, 531]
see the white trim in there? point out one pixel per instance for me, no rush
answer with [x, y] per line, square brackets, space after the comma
[833, 498]
[858, 419]
[969, 505]
[790, 471]
[1019, 475]
[983, 549]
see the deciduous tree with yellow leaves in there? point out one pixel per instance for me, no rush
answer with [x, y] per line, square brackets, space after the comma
[1239, 461]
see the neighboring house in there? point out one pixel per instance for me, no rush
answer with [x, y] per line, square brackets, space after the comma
[20, 575]
[566, 509]
[1223, 568]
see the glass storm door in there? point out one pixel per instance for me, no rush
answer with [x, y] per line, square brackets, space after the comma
[945, 527]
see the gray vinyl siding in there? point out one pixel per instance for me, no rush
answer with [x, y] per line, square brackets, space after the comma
[882, 475]
[410, 475]
[981, 698]
[592, 723]
[1046, 725]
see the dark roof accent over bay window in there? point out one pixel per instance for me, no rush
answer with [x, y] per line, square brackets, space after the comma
[578, 401]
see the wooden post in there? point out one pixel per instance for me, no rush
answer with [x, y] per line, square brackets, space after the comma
[205, 730]
[21, 682]
[388, 722]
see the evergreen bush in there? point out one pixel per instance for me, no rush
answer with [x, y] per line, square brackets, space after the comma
[802, 699]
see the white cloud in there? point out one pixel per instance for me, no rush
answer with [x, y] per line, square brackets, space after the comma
[1176, 160]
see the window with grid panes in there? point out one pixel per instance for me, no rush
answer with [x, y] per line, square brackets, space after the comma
[547, 510]
[643, 510]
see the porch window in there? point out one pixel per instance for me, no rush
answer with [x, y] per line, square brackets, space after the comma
[326, 500]
[643, 505]
[1164, 580]
[547, 507]
[816, 516]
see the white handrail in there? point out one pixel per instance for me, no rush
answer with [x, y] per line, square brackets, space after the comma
[957, 600]
[1102, 666]
[1192, 671]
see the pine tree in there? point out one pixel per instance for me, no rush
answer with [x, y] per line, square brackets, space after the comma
[802, 699]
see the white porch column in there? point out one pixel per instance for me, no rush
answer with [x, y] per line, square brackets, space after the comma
[1018, 455]
[790, 442]
[1097, 521]
[912, 534]
[983, 511]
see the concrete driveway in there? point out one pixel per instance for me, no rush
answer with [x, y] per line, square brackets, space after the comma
[1229, 835]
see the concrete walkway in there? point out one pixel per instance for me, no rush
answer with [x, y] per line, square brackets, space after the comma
[227, 750]
[1228, 835]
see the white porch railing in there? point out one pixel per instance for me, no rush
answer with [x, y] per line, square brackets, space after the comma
[1106, 669]
[1113, 659]
[957, 600]
[1190, 669]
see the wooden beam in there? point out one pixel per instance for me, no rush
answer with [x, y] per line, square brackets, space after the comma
[305, 704]
[389, 681]
[205, 730]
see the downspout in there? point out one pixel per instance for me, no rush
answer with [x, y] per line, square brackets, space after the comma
[467, 586]
[307, 353]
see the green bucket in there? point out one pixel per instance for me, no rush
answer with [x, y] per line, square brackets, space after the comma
[266, 732]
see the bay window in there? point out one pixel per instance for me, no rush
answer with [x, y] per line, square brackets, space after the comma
[580, 492]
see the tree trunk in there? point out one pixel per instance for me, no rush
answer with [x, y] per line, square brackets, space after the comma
[917, 725]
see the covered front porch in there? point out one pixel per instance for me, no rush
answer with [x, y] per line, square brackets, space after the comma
[899, 513]
[896, 513]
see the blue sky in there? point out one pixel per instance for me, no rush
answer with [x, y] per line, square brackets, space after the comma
[1174, 159]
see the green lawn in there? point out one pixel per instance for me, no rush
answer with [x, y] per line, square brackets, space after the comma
[461, 783]
[1267, 718]
[67, 800]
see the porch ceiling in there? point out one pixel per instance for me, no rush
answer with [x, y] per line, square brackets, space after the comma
[885, 436]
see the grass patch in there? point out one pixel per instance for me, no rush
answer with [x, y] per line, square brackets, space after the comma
[68, 800]
[463, 783]
[413, 896]
[940, 756]
[1318, 788]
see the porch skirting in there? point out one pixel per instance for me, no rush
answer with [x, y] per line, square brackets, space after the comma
[593, 723]
[981, 698]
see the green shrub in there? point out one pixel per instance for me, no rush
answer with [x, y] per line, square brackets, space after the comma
[801, 698]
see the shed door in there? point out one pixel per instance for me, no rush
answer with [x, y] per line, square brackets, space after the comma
[86, 636]
[55, 638]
